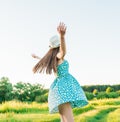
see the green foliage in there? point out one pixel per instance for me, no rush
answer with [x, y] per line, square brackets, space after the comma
[42, 98]
[100, 88]
[27, 92]
[21, 91]
[112, 95]
[95, 92]
[102, 95]
[109, 89]
[89, 95]
[5, 89]
[35, 92]
[118, 92]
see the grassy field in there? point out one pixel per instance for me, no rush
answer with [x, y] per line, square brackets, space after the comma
[105, 110]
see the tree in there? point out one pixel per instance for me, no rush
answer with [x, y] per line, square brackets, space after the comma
[5, 89]
[27, 92]
[95, 92]
[109, 89]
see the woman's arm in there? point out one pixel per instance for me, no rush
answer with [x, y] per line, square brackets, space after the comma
[34, 56]
[62, 30]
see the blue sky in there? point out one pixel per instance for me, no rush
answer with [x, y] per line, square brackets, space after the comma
[92, 38]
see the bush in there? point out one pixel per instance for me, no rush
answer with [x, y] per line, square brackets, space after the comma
[42, 98]
[118, 92]
[89, 95]
[95, 92]
[109, 89]
[102, 95]
[113, 95]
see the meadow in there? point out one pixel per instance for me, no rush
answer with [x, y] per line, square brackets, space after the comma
[103, 110]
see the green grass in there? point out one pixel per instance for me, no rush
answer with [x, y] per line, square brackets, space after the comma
[114, 116]
[22, 107]
[105, 110]
[12, 117]
[100, 116]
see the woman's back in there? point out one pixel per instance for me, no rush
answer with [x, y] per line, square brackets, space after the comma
[63, 68]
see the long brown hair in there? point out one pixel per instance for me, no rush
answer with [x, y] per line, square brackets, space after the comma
[48, 63]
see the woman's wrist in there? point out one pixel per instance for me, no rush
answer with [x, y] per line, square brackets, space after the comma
[62, 36]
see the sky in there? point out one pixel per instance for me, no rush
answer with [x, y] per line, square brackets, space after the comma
[92, 39]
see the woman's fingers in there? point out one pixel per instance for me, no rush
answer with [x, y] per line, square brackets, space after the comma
[33, 55]
[61, 27]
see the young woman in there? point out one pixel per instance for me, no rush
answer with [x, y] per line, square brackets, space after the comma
[65, 92]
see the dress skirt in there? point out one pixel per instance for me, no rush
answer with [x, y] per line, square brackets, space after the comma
[65, 88]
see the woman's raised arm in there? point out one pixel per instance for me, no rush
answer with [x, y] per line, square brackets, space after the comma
[62, 30]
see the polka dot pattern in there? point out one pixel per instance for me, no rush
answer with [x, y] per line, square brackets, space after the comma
[65, 88]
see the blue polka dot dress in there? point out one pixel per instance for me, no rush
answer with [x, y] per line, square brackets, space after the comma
[65, 88]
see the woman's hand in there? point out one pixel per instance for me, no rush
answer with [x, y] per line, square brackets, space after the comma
[61, 29]
[34, 56]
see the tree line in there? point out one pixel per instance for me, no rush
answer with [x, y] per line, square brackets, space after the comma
[101, 88]
[36, 92]
[21, 91]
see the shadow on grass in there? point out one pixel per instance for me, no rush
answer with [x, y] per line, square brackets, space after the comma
[78, 111]
[101, 116]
